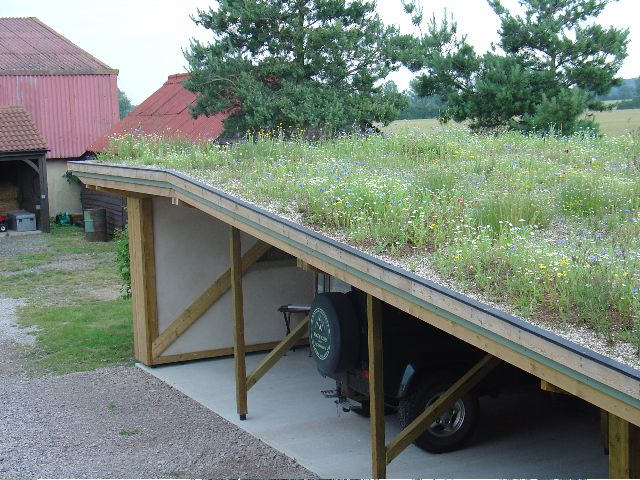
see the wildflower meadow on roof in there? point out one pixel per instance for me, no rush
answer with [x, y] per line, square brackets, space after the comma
[549, 225]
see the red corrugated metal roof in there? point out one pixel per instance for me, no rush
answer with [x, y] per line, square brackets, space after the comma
[29, 46]
[70, 111]
[18, 132]
[166, 112]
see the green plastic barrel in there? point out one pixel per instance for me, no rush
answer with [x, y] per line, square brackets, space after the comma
[95, 224]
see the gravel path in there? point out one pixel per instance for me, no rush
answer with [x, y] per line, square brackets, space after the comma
[115, 422]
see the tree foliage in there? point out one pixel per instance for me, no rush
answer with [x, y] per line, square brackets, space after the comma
[629, 88]
[421, 107]
[550, 65]
[124, 104]
[296, 63]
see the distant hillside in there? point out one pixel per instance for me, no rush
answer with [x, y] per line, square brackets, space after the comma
[630, 88]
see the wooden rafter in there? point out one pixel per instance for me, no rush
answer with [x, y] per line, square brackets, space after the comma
[437, 408]
[205, 300]
[115, 191]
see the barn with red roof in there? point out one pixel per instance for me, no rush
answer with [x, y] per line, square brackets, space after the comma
[166, 113]
[70, 95]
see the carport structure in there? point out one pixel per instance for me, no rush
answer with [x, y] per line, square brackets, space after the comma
[171, 213]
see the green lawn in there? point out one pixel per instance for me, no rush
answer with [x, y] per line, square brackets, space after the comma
[70, 287]
[80, 337]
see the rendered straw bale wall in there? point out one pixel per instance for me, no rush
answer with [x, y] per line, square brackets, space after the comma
[191, 252]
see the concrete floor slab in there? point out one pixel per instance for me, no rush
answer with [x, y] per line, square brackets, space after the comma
[529, 435]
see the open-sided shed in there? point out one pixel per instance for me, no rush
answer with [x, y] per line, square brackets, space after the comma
[199, 291]
[22, 164]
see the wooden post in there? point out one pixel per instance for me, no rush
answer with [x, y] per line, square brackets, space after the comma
[624, 448]
[143, 277]
[44, 195]
[238, 321]
[604, 430]
[376, 388]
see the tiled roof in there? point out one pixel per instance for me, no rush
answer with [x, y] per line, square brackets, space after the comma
[18, 132]
[166, 112]
[29, 46]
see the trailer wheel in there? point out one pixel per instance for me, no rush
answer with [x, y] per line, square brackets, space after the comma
[3, 227]
[333, 333]
[453, 428]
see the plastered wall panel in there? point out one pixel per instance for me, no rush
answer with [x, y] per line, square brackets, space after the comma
[191, 252]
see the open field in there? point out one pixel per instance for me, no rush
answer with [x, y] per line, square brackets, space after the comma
[612, 123]
[549, 227]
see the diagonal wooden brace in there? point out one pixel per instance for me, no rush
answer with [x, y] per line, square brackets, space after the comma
[207, 298]
[437, 408]
[274, 355]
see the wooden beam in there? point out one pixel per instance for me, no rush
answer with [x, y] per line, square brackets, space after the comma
[143, 277]
[306, 267]
[604, 430]
[44, 195]
[33, 164]
[276, 354]
[437, 408]
[624, 448]
[235, 260]
[376, 388]
[122, 193]
[549, 387]
[180, 203]
[213, 353]
[204, 301]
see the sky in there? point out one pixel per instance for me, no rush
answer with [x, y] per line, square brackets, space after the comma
[144, 39]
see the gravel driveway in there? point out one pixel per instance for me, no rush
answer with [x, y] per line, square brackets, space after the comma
[114, 422]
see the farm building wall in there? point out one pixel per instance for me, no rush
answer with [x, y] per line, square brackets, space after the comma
[191, 252]
[64, 196]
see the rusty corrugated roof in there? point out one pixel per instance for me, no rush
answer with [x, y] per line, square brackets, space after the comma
[29, 46]
[18, 133]
[166, 112]
[69, 110]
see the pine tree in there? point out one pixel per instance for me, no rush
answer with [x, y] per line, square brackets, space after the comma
[296, 64]
[551, 65]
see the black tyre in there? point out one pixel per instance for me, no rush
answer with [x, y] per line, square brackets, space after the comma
[453, 428]
[334, 333]
[3, 227]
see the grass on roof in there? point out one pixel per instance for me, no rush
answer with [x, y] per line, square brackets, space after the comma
[549, 225]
